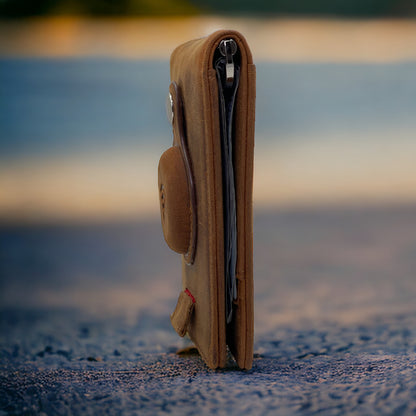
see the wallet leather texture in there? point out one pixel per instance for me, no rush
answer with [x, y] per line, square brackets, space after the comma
[205, 191]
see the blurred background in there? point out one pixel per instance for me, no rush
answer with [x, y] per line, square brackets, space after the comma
[82, 126]
[83, 85]
[86, 280]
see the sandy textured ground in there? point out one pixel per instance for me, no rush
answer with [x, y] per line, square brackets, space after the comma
[85, 327]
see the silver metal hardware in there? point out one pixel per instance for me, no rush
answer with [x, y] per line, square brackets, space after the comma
[169, 108]
[228, 48]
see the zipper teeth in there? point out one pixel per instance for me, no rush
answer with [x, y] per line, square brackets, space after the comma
[226, 70]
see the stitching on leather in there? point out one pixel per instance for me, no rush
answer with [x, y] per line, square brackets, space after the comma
[250, 75]
[211, 99]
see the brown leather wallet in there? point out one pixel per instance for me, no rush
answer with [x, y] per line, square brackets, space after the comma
[205, 191]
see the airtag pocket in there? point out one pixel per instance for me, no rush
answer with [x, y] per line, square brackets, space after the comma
[174, 198]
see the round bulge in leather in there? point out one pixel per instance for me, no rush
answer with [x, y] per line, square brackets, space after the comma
[174, 198]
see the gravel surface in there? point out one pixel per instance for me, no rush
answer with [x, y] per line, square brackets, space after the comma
[85, 327]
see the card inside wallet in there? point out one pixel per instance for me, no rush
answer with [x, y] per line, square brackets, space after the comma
[227, 66]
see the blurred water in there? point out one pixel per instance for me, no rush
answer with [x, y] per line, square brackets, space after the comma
[54, 106]
[80, 138]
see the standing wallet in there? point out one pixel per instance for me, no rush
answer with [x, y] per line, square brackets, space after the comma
[205, 191]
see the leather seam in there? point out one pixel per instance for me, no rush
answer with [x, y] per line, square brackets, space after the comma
[215, 219]
[191, 228]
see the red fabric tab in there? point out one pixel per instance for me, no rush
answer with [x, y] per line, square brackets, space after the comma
[190, 295]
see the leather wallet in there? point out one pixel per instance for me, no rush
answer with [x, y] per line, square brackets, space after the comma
[205, 192]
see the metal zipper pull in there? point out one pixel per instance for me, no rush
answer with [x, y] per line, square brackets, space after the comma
[228, 48]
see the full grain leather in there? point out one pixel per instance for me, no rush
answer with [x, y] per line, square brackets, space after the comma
[176, 187]
[182, 314]
[174, 200]
[192, 70]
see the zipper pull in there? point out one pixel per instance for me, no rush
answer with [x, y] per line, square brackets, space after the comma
[228, 48]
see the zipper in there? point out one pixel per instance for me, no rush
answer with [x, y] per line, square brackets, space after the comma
[227, 66]
[228, 48]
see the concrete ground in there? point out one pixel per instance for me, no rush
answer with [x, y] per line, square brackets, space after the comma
[85, 320]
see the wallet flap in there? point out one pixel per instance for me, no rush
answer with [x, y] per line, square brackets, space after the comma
[182, 314]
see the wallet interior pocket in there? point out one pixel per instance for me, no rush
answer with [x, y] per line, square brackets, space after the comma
[227, 67]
